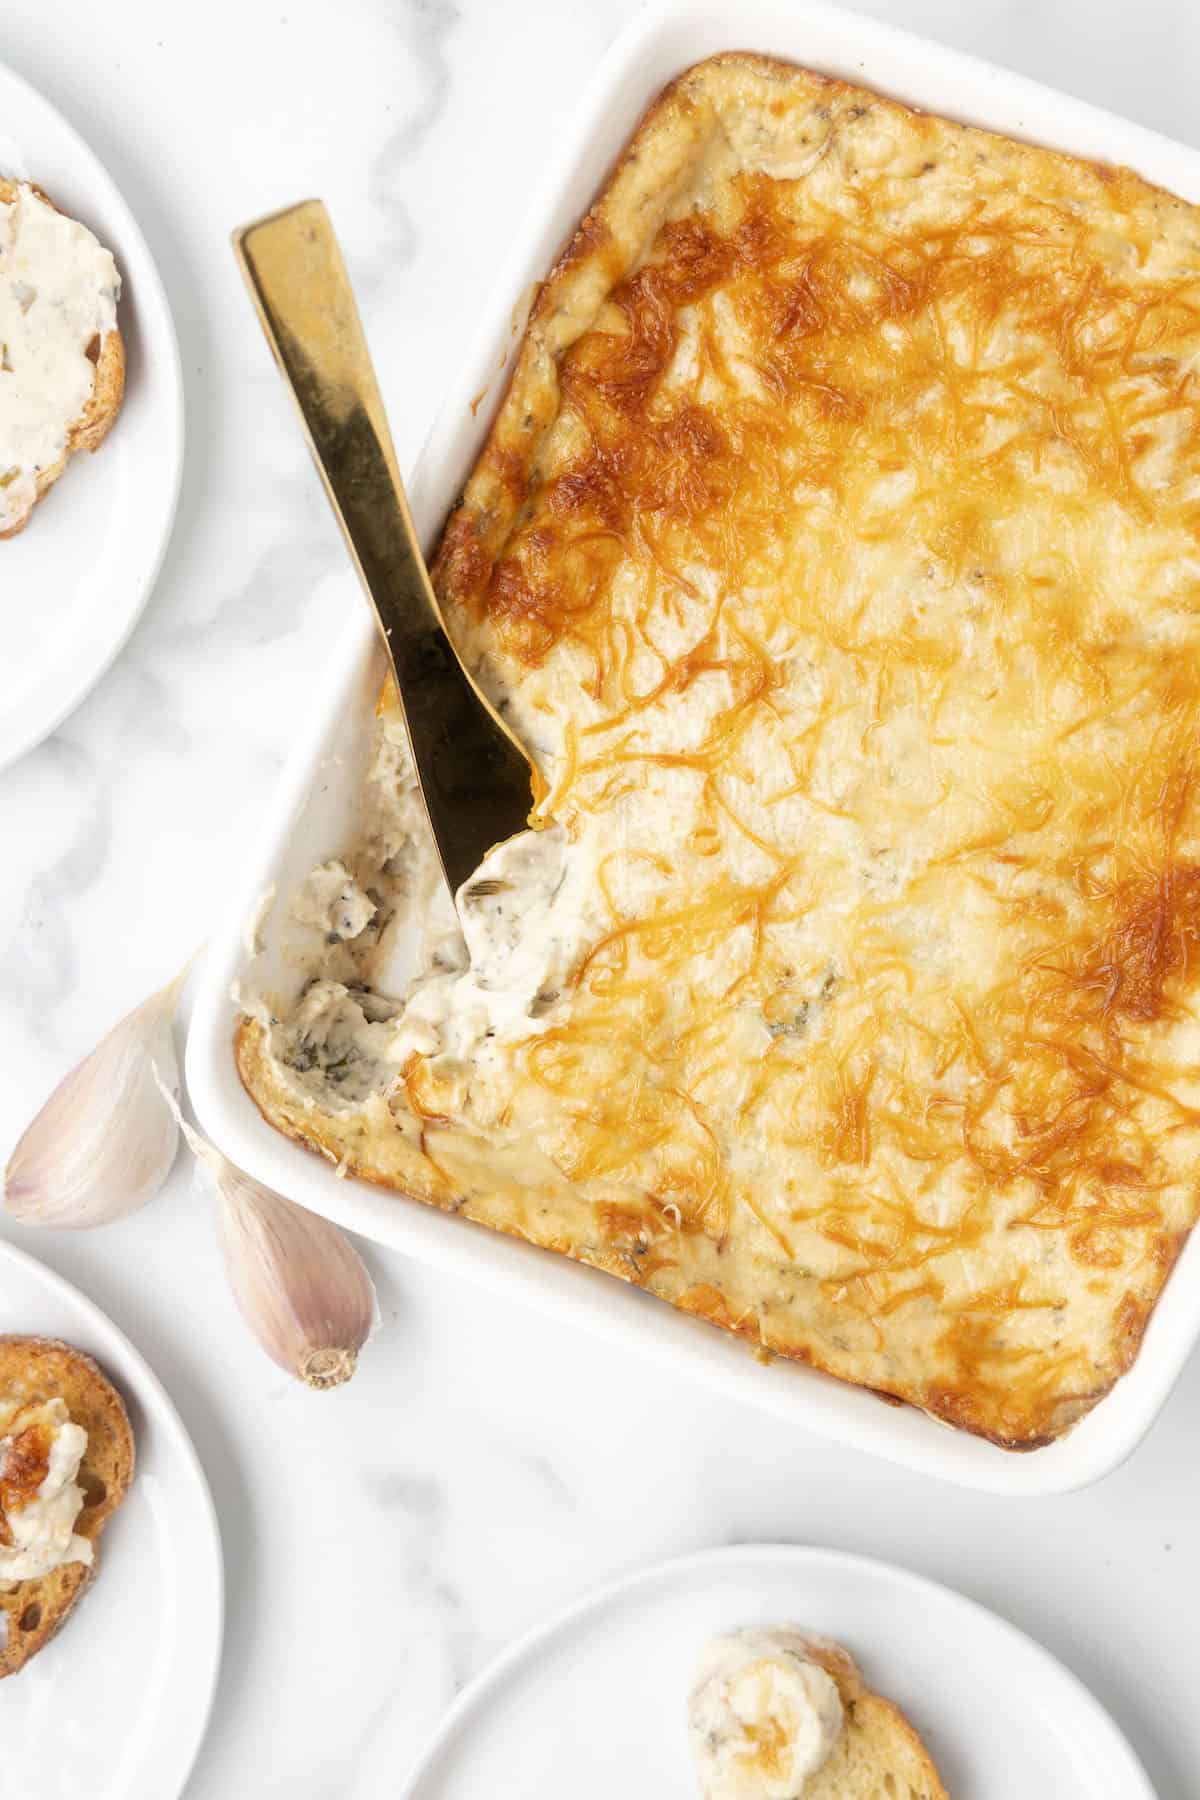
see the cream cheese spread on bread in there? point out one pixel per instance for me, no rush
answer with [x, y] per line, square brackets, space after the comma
[479, 977]
[58, 298]
[41, 1449]
[763, 1716]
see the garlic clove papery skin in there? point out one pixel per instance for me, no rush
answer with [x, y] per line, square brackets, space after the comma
[104, 1142]
[299, 1283]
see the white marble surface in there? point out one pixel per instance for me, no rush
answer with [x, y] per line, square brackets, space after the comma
[383, 1541]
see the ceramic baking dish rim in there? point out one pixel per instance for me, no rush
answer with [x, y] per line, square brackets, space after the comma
[658, 44]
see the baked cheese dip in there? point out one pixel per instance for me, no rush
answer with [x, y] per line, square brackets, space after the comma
[835, 552]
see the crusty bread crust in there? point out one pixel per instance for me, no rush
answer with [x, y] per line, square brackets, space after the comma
[41, 1369]
[108, 390]
[878, 1742]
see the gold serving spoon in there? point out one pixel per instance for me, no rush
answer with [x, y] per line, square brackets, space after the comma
[474, 775]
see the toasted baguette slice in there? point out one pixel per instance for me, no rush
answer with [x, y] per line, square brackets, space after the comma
[879, 1755]
[108, 390]
[35, 1369]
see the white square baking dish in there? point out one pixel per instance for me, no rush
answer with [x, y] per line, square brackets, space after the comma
[313, 817]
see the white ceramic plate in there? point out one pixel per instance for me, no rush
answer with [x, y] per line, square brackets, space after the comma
[593, 1704]
[116, 1705]
[74, 582]
[315, 810]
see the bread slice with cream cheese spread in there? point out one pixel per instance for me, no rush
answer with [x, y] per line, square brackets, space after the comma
[62, 356]
[879, 1755]
[35, 1374]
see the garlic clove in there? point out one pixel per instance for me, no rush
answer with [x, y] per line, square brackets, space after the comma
[299, 1283]
[104, 1142]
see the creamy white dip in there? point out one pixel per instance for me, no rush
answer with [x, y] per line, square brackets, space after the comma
[763, 1716]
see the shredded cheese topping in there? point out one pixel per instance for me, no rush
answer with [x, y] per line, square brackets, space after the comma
[849, 586]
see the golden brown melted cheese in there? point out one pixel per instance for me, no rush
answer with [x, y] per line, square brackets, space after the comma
[837, 548]
[24, 1463]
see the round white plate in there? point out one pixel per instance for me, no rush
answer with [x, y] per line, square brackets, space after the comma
[116, 1705]
[594, 1703]
[74, 582]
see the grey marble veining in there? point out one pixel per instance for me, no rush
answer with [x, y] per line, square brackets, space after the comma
[427, 30]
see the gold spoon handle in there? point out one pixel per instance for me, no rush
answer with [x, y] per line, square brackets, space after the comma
[474, 776]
